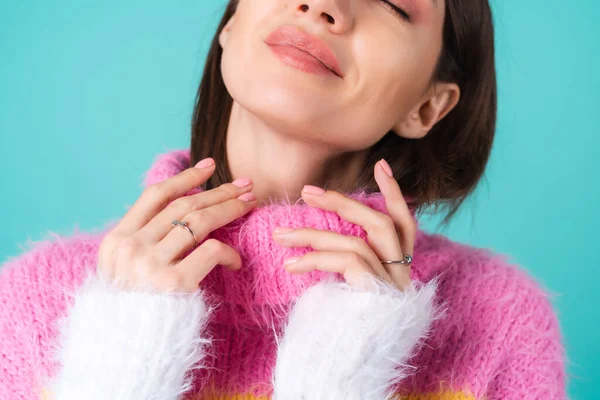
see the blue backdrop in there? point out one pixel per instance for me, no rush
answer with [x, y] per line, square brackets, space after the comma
[91, 91]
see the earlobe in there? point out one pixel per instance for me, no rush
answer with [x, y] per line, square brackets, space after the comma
[442, 99]
[224, 34]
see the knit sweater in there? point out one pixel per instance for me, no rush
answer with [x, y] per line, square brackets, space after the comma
[471, 326]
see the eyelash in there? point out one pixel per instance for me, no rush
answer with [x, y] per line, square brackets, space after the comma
[396, 9]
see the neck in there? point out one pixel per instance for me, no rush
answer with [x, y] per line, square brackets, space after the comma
[281, 163]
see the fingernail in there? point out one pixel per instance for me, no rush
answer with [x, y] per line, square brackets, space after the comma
[247, 197]
[313, 189]
[241, 182]
[205, 163]
[386, 167]
[291, 260]
[283, 229]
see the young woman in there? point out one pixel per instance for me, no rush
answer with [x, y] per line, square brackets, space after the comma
[322, 129]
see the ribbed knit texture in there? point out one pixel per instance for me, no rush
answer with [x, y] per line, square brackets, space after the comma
[499, 338]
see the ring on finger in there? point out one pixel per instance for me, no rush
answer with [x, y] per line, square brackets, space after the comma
[407, 260]
[184, 225]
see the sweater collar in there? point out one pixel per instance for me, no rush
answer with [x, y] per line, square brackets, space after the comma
[262, 288]
[169, 164]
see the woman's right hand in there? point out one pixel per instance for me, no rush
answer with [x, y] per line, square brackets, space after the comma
[145, 249]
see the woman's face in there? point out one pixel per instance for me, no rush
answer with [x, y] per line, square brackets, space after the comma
[385, 65]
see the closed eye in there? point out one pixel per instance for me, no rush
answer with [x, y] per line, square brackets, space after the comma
[394, 8]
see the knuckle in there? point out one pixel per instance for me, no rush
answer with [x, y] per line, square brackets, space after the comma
[108, 242]
[353, 258]
[337, 196]
[107, 246]
[229, 189]
[384, 223]
[149, 260]
[198, 219]
[130, 243]
[357, 242]
[182, 204]
[194, 219]
[127, 247]
[153, 191]
[208, 214]
[213, 247]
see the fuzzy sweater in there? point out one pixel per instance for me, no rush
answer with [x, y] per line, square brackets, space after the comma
[471, 326]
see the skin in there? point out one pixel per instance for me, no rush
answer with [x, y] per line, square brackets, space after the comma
[289, 129]
[307, 129]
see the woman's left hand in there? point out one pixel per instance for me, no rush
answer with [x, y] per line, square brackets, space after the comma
[389, 237]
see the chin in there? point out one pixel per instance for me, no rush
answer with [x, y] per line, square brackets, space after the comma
[278, 98]
[294, 103]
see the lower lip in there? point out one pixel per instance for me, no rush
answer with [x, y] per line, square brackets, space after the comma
[301, 60]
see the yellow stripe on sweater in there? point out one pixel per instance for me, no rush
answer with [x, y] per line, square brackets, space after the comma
[441, 395]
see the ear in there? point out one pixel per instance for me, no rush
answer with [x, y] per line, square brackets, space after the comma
[224, 34]
[439, 100]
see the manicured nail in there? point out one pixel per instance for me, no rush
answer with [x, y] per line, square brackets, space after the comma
[386, 167]
[241, 182]
[313, 189]
[283, 229]
[247, 197]
[291, 260]
[205, 163]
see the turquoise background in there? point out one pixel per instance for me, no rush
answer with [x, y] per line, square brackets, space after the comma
[91, 91]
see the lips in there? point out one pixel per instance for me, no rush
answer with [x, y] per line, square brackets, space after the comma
[294, 37]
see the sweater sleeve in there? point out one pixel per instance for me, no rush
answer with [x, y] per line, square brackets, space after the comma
[128, 344]
[19, 332]
[534, 365]
[32, 296]
[345, 343]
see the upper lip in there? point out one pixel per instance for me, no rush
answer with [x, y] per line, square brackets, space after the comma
[290, 35]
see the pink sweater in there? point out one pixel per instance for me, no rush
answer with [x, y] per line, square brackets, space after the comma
[473, 326]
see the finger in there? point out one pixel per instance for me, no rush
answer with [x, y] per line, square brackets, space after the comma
[193, 269]
[155, 197]
[201, 223]
[332, 241]
[381, 232]
[348, 263]
[160, 225]
[397, 208]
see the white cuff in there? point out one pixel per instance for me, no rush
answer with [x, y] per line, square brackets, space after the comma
[345, 343]
[129, 344]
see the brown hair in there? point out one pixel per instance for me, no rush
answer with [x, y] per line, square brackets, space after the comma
[442, 168]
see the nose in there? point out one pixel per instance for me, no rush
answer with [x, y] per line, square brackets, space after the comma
[335, 14]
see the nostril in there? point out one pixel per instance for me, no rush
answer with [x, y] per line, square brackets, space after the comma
[329, 18]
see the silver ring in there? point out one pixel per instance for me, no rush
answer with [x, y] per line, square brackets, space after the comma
[406, 260]
[184, 225]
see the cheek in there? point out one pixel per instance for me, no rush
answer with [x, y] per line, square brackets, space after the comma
[240, 61]
[388, 76]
